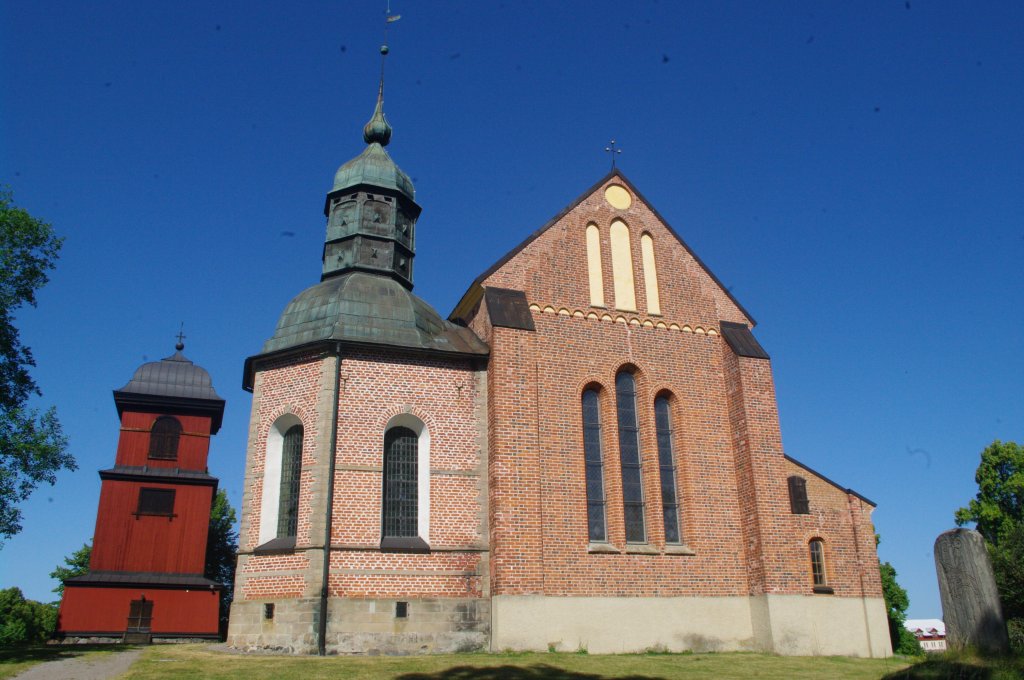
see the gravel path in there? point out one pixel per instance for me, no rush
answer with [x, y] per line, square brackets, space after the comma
[96, 667]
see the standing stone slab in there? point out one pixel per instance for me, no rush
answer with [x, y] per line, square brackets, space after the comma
[970, 601]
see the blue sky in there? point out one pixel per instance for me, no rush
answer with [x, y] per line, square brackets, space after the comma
[853, 172]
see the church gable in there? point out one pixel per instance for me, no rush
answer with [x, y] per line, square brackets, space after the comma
[611, 255]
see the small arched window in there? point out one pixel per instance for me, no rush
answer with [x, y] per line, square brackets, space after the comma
[594, 465]
[629, 456]
[291, 474]
[163, 438]
[798, 502]
[667, 467]
[401, 477]
[819, 578]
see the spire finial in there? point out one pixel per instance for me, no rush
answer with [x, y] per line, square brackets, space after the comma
[181, 337]
[613, 151]
[378, 129]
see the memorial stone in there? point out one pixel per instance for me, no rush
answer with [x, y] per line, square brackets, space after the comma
[970, 601]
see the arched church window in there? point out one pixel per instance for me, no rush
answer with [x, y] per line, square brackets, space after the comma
[667, 468]
[596, 277]
[798, 501]
[629, 456]
[650, 274]
[163, 438]
[401, 476]
[594, 465]
[622, 267]
[291, 473]
[819, 577]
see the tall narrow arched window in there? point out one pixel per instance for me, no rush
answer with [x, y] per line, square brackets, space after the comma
[667, 468]
[650, 274]
[163, 438]
[401, 475]
[629, 457]
[291, 473]
[819, 578]
[622, 267]
[594, 465]
[594, 273]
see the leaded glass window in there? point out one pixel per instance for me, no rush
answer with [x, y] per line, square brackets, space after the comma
[818, 562]
[667, 468]
[594, 465]
[629, 457]
[291, 473]
[163, 438]
[401, 481]
[798, 502]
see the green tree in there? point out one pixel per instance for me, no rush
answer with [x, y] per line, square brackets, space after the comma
[76, 564]
[221, 547]
[24, 621]
[998, 512]
[32, 446]
[896, 603]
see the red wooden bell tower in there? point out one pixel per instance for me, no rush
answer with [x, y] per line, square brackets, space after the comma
[145, 576]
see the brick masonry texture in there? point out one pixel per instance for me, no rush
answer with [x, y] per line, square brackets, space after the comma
[508, 504]
[731, 475]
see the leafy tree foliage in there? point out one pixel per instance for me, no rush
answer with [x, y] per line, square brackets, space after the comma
[76, 564]
[221, 546]
[24, 621]
[32, 446]
[896, 603]
[998, 512]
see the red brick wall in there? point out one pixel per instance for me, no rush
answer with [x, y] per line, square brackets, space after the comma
[731, 474]
[374, 387]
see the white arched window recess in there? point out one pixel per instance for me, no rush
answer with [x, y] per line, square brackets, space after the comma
[404, 434]
[650, 274]
[270, 504]
[622, 267]
[594, 274]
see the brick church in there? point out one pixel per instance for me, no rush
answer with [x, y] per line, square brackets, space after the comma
[584, 455]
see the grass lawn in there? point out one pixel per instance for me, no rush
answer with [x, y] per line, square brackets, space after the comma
[198, 661]
[14, 660]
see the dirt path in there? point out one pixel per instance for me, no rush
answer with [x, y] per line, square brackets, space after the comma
[95, 667]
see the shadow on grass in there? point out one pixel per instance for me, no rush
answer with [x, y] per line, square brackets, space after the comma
[36, 653]
[535, 672]
[963, 667]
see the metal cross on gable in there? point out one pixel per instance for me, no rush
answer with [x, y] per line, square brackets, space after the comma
[181, 337]
[613, 151]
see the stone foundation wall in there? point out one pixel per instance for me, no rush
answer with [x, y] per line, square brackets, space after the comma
[363, 626]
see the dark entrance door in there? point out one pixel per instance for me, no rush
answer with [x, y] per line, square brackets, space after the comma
[140, 616]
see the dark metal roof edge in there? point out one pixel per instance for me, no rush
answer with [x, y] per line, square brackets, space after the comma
[169, 404]
[145, 579]
[333, 347]
[615, 172]
[532, 237]
[168, 477]
[376, 189]
[756, 351]
[822, 477]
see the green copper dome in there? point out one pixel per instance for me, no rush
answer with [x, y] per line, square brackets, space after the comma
[368, 308]
[375, 168]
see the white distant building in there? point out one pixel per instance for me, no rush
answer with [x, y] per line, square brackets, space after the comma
[931, 633]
